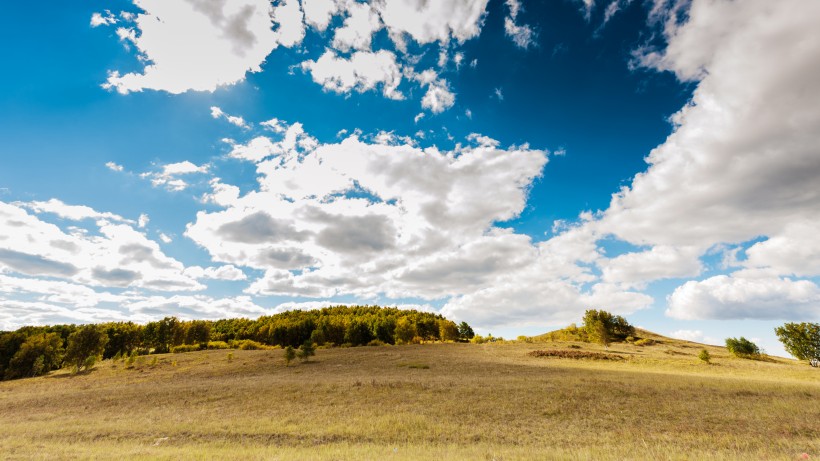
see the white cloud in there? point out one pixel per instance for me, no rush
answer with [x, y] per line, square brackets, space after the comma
[430, 21]
[425, 205]
[522, 35]
[114, 255]
[656, 263]
[745, 296]
[498, 94]
[216, 112]
[169, 175]
[688, 335]
[114, 167]
[318, 13]
[71, 212]
[165, 238]
[363, 71]
[227, 272]
[143, 221]
[203, 45]
[741, 163]
[105, 19]
[358, 28]
[438, 97]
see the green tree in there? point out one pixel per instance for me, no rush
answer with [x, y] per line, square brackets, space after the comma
[705, 356]
[801, 340]
[742, 347]
[10, 343]
[198, 332]
[39, 354]
[465, 331]
[290, 354]
[88, 341]
[306, 350]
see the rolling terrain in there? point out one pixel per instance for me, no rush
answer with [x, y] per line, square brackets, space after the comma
[490, 401]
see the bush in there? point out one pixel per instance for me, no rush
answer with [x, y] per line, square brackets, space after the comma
[290, 354]
[705, 356]
[248, 345]
[645, 342]
[218, 345]
[376, 342]
[742, 347]
[307, 350]
[185, 348]
[801, 340]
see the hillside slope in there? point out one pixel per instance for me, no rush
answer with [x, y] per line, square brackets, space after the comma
[437, 401]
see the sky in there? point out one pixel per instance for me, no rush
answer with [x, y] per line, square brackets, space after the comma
[507, 163]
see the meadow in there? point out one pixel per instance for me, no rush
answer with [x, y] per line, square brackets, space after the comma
[490, 401]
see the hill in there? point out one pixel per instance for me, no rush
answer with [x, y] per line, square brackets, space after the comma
[431, 401]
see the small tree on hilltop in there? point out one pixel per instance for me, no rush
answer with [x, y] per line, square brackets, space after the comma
[465, 331]
[801, 340]
[87, 342]
[306, 350]
[290, 354]
[742, 347]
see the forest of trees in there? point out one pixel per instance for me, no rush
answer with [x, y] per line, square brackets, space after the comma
[33, 351]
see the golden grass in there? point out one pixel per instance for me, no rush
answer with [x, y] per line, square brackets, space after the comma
[438, 401]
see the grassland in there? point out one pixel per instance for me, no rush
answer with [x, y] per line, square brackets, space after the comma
[436, 401]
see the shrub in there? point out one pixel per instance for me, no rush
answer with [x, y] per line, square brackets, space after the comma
[376, 342]
[132, 357]
[306, 351]
[290, 354]
[801, 340]
[602, 327]
[230, 356]
[705, 356]
[218, 345]
[248, 345]
[645, 342]
[185, 348]
[742, 347]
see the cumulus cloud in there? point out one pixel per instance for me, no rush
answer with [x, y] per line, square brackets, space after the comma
[363, 71]
[169, 175]
[71, 212]
[227, 272]
[522, 35]
[745, 296]
[659, 262]
[115, 255]
[103, 19]
[217, 113]
[358, 28]
[200, 44]
[427, 22]
[438, 97]
[204, 44]
[741, 162]
[114, 167]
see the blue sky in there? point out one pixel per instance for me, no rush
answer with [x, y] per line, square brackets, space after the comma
[509, 164]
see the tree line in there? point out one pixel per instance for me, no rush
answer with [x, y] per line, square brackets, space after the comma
[33, 351]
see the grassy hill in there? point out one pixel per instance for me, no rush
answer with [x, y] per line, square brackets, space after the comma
[436, 401]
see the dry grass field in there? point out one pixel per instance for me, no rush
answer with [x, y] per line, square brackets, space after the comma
[436, 401]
